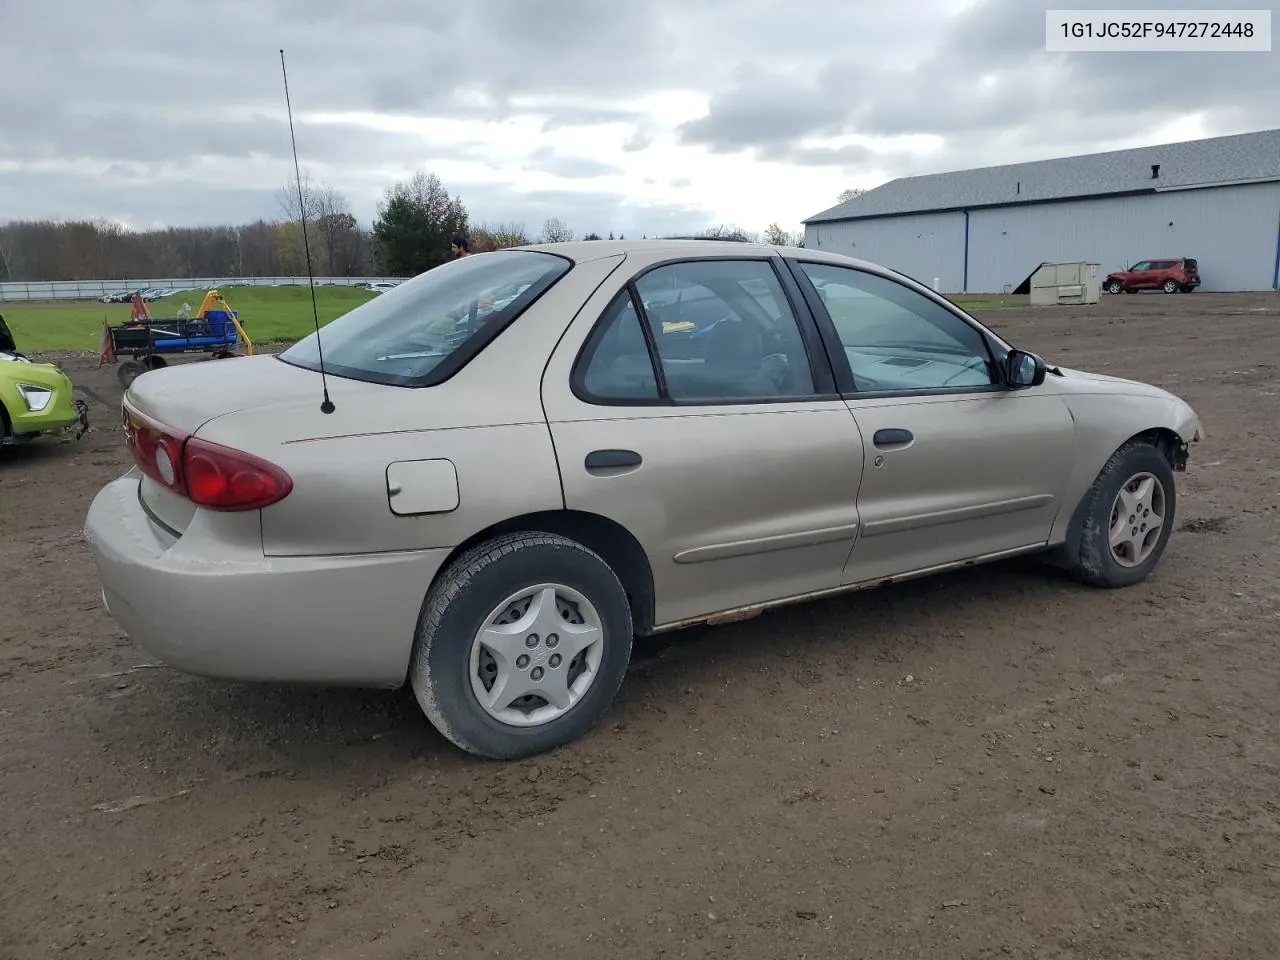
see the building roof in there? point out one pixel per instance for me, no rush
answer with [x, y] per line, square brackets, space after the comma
[1193, 163]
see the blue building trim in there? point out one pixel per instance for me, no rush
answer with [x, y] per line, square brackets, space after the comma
[964, 283]
[1275, 273]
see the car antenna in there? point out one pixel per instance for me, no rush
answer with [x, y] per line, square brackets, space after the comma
[326, 405]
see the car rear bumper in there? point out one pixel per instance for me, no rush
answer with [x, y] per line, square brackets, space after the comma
[217, 609]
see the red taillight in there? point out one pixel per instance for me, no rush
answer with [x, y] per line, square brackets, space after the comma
[156, 450]
[208, 474]
[220, 478]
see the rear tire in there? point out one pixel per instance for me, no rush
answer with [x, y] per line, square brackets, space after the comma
[1143, 474]
[571, 594]
[1169, 286]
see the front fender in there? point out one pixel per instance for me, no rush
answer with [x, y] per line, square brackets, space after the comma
[1104, 422]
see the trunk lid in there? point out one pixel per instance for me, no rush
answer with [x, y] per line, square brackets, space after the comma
[187, 396]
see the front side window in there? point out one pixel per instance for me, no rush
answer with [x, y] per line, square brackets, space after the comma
[421, 328]
[898, 339]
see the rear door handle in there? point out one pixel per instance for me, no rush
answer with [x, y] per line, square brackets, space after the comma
[893, 437]
[598, 460]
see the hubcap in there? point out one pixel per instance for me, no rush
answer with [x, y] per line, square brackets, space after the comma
[1137, 516]
[537, 655]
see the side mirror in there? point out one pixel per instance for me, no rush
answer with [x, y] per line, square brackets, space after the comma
[1022, 369]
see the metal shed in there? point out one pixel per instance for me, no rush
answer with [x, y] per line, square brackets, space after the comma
[1070, 282]
[985, 230]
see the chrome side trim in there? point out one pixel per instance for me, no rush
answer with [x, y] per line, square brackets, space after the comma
[955, 515]
[784, 541]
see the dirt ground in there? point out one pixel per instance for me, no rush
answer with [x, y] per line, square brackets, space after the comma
[996, 763]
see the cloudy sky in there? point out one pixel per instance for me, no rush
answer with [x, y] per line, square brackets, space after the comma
[631, 116]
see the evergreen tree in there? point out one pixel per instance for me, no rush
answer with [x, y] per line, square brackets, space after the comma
[415, 225]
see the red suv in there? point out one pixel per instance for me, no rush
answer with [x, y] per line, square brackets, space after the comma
[1171, 276]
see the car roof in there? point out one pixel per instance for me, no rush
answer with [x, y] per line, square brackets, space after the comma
[582, 251]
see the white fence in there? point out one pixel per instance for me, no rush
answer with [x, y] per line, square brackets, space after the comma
[94, 289]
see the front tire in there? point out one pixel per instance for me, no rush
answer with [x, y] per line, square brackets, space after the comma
[1115, 286]
[521, 646]
[1124, 521]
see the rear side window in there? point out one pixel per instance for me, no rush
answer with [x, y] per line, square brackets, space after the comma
[615, 364]
[425, 329]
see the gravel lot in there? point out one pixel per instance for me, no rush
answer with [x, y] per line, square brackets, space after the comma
[995, 763]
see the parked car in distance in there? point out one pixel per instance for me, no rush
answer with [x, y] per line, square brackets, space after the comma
[1180, 275]
[381, 286]
[524, 466]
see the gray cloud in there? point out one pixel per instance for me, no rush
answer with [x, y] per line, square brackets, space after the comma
[560, 116]
[166, 108]
[121, 195]
[639, 140]
[761, 109]
[549, 161]
[988, 87]
[600, 212]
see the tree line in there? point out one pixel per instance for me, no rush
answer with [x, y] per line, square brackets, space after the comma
[415, 223]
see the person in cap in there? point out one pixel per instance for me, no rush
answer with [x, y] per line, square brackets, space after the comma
[460, 246]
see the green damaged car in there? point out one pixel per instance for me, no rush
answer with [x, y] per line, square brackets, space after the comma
[35, 398]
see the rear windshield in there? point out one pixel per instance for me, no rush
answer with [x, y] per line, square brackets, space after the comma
[1190, 264]
[424, 329]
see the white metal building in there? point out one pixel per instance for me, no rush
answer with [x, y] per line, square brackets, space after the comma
[987, 230]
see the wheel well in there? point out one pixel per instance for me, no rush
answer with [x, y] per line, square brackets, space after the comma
[5, 422]
[1170, 445]
[612, 541]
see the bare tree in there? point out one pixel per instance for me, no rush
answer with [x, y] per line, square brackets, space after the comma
[330, 225]
[847, 195]
[728, 232]
[287, 198]
[775, 235]
[502, 235]
[8, 250]
[556, 231]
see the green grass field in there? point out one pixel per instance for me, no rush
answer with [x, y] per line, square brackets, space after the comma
[988, 302]
[268, 314]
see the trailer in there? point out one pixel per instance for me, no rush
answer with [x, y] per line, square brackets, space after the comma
[215, 331]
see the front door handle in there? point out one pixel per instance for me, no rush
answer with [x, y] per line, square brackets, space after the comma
[893, 437]
[600, 460]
